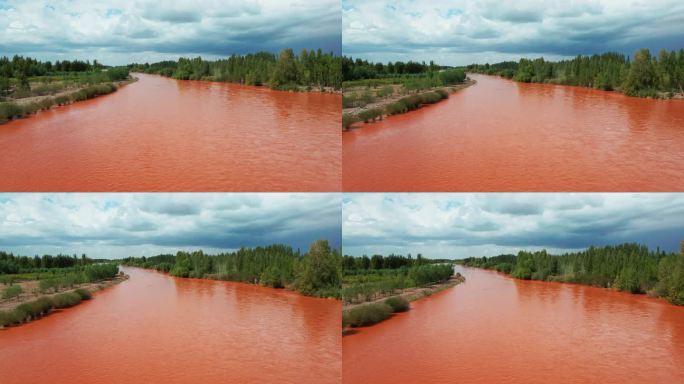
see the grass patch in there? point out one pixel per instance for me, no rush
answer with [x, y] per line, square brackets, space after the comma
[11, 292]
[370, 115]
[11, 110]
[66, 300]
[348, 120]
[413, 102]
[367, 314]
[34, 309]
[84, 294]
[398, 304]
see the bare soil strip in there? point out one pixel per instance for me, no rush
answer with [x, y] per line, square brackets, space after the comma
[30, 291]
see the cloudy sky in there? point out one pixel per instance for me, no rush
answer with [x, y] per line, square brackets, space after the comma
[455, 32]
[121, 225]
[462, 225]
[124, 31]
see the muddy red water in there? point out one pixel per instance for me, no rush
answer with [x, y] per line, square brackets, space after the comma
[499, 135]
[157, 329]
[494, 329]
[160, 134]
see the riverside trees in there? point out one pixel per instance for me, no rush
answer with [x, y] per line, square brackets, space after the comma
[315, 273]
[645, 75]
[626, 267]
[10, 263]
[283, 71]
[365, 277]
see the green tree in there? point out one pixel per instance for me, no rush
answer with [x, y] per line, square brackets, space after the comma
[285, 71]
[642, 75]
[321, 269]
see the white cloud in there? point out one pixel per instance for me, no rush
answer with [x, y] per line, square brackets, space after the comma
[461, 225]
[122, 31]
[119, 225]
[463, 32]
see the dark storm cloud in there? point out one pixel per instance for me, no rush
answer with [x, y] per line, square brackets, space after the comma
[462, 32]
[119, 225]
[119, 32]
[459, 225]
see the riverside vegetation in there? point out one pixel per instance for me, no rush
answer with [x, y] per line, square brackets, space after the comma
[34, 286]
[372, 90]
[373, 288]
[660, 76]
[28, 85]
[315, 273]
[286, 71]
[626, 267]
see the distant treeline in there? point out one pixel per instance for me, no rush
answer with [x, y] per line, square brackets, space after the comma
[627, 267]
[362, 69]
[644, 76]
[315, 273]
[366, 277]
[19, 66]
[16, 75]
[283, 71]
[391, 261]
[10, 263]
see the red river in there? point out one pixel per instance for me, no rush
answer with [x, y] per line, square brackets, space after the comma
[495, 329]
[154, 328]
[499, 135]
[160, 134]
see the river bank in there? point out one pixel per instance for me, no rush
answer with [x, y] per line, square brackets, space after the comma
[396, 101]
[269, 140]
[27, 106]
[137, 332]
[479, 141]
[515, 331]
[378, 310]
[215, 277]
[314, 273]
[32, 305]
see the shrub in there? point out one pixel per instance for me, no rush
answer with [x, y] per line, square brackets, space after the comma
[370, 115]
[396, 108]
[9, 111]
[9, 318]
[46, 284]
[385, 91]
[367, 314]
[452, 76]
[117, 73]
[443, 93]
[34, 309]
[97, 272]
[11, 292]
[66, 300]
[398, 304]
[411, 102]
[348, 120]
[349, 101]
[431, 273]
[62, 100]
[84, 294]
[430, 98]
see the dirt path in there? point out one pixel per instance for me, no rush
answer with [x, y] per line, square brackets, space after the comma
[382, 103]
[31, 292]
[65, 92]
[415, 293]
